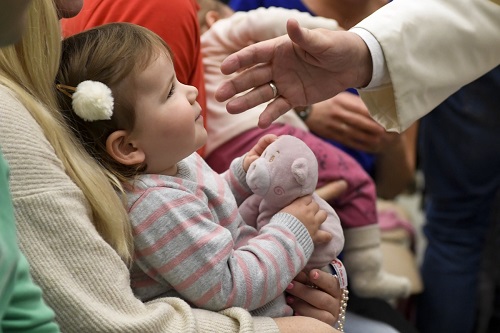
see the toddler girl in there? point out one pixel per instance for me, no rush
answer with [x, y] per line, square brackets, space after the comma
[118, 91]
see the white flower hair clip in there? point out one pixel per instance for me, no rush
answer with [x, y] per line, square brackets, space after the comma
[91, 100]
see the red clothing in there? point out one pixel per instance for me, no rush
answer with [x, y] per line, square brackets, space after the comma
[175, 21]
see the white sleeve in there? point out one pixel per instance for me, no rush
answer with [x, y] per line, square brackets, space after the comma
[431, 48]
[380, 74]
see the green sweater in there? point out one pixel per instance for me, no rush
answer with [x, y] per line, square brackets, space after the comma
[22, 308]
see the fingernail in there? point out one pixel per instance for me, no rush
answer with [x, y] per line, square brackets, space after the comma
[315, 275]
[290, 286]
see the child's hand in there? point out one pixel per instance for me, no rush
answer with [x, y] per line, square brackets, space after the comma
[258, 149]
[308, 212]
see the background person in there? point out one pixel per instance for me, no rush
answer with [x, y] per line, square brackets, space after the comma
[459, 203]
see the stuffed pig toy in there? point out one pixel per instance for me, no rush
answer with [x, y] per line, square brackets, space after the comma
[288, 169]
[285, 171]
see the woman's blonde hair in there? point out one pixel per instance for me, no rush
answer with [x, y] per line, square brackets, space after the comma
[110, 54]
[28, 69]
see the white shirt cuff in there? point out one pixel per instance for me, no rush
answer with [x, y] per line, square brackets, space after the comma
[380, 74]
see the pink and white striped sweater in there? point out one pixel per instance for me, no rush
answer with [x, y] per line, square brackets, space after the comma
[191, 242]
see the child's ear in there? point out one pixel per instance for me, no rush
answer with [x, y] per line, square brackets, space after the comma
[122, 150]
[211, 17]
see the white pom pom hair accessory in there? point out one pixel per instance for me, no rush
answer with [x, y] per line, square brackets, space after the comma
[91, 100]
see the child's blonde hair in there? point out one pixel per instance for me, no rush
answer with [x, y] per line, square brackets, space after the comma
[28, 69]
[109, 54]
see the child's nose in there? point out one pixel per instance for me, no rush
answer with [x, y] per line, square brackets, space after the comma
[192, 94]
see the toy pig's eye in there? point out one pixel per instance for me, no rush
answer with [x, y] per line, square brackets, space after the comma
[273, 156]
[265, 153]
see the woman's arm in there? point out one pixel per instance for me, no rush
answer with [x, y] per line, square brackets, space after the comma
[21, 304]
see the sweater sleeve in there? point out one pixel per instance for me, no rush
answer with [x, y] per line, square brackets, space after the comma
[179, 245]
[266, 23]
[83, 279]
[27, 312]
[22, 308]
[235, 177]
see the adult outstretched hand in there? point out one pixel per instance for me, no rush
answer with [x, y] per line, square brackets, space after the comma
[307, 66]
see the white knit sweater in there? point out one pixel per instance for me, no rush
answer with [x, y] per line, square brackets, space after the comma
[82, 277]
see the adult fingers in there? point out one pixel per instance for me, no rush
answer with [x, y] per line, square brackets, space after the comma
[249, 56]
[326, 282]
[323, 304]
[302, 308]
[361, 123]
[332, 190]
[273, 111]
[258, 78]
[310, 41]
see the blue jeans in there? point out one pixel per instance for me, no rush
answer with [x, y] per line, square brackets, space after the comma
[461, 169]
[355, 323]
[450, 272]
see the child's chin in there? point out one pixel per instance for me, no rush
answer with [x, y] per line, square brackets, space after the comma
[202, 139]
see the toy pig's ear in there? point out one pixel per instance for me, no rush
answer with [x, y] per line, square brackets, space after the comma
[300, 170]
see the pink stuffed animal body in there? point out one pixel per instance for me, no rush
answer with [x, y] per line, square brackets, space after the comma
[285, 171]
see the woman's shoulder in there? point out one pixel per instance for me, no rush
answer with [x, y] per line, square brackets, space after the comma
[28, 152]
[12, 110]
[9, 100]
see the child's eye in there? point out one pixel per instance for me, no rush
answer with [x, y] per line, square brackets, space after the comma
[171, 92]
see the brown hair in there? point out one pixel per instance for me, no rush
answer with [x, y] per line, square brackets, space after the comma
[109, 54]
[205, 7]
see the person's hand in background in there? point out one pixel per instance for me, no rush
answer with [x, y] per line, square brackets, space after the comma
[346, 120]
[332, 190]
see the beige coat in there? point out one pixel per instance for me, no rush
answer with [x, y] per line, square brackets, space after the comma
[432, 48]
